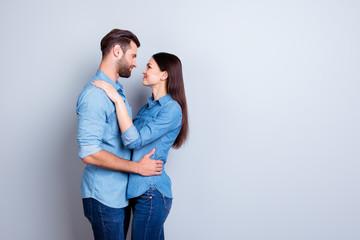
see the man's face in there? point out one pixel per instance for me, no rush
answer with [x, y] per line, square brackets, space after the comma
[128, 61]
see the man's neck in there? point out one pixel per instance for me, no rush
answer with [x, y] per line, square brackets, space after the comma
[109, 70]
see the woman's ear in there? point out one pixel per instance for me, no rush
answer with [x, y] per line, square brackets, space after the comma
[117, 51]
[164, 75]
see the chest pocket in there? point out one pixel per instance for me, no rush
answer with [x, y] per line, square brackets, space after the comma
[112, 123]
[143, 121]
[147, 119]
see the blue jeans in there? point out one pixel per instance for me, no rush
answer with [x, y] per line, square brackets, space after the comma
[150, 211]
[107, 223]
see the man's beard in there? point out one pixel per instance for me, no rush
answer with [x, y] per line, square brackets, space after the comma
[124, 68]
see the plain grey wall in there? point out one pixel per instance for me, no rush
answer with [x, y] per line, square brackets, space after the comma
[273, 93]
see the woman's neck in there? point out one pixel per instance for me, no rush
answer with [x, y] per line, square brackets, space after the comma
[158, 92]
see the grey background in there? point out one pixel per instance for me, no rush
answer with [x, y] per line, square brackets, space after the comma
[273, 94]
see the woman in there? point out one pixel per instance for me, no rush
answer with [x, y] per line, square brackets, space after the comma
[161, 124]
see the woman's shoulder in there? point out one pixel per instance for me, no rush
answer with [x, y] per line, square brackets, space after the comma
[172, 107]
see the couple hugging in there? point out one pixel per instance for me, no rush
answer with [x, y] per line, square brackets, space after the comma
[120, 177]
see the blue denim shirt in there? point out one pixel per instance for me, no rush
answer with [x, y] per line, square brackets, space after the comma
[98, 129]
[157, 125]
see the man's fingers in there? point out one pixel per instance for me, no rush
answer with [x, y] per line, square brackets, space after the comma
[159, 166]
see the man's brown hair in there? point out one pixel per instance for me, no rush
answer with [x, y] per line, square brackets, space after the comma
[120, 37]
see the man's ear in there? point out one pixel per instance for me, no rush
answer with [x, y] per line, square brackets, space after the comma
[164, 75]
[117, 51]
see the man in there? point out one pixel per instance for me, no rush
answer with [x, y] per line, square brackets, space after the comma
[103, 185]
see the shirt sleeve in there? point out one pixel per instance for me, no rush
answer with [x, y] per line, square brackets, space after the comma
[91, 122]
[168, 119]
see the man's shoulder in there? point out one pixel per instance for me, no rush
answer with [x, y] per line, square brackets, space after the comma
[91, 91]
[93, 96]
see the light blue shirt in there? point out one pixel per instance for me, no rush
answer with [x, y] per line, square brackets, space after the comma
[157, 125]
[98, 129]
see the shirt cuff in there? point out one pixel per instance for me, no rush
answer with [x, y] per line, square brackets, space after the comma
[88, 150]
[130, 135]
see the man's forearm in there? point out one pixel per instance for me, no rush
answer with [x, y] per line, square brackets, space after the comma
[107, 160]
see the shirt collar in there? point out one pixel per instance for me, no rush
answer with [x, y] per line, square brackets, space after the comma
[161, 101]
[100, 75]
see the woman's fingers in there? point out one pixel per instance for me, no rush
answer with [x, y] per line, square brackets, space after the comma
[108, 89]
[103, 85]
[100, 83]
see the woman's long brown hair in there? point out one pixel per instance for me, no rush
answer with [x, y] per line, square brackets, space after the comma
[175, 87]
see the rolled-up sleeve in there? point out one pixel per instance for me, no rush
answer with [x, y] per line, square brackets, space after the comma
[91, 122]
[168, 119]
[130, 135]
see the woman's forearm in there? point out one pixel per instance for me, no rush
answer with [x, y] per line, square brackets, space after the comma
[122, 114]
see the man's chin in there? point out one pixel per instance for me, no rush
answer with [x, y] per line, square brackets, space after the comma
[127, 75]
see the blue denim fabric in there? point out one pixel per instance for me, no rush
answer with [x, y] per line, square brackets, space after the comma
[150, 211]
[98, 129]
[107, 223]
[157, 125]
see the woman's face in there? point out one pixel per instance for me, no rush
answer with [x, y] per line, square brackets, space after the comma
[152, 74]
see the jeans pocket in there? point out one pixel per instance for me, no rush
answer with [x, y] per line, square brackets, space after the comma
[167, 203]
[147, 195]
